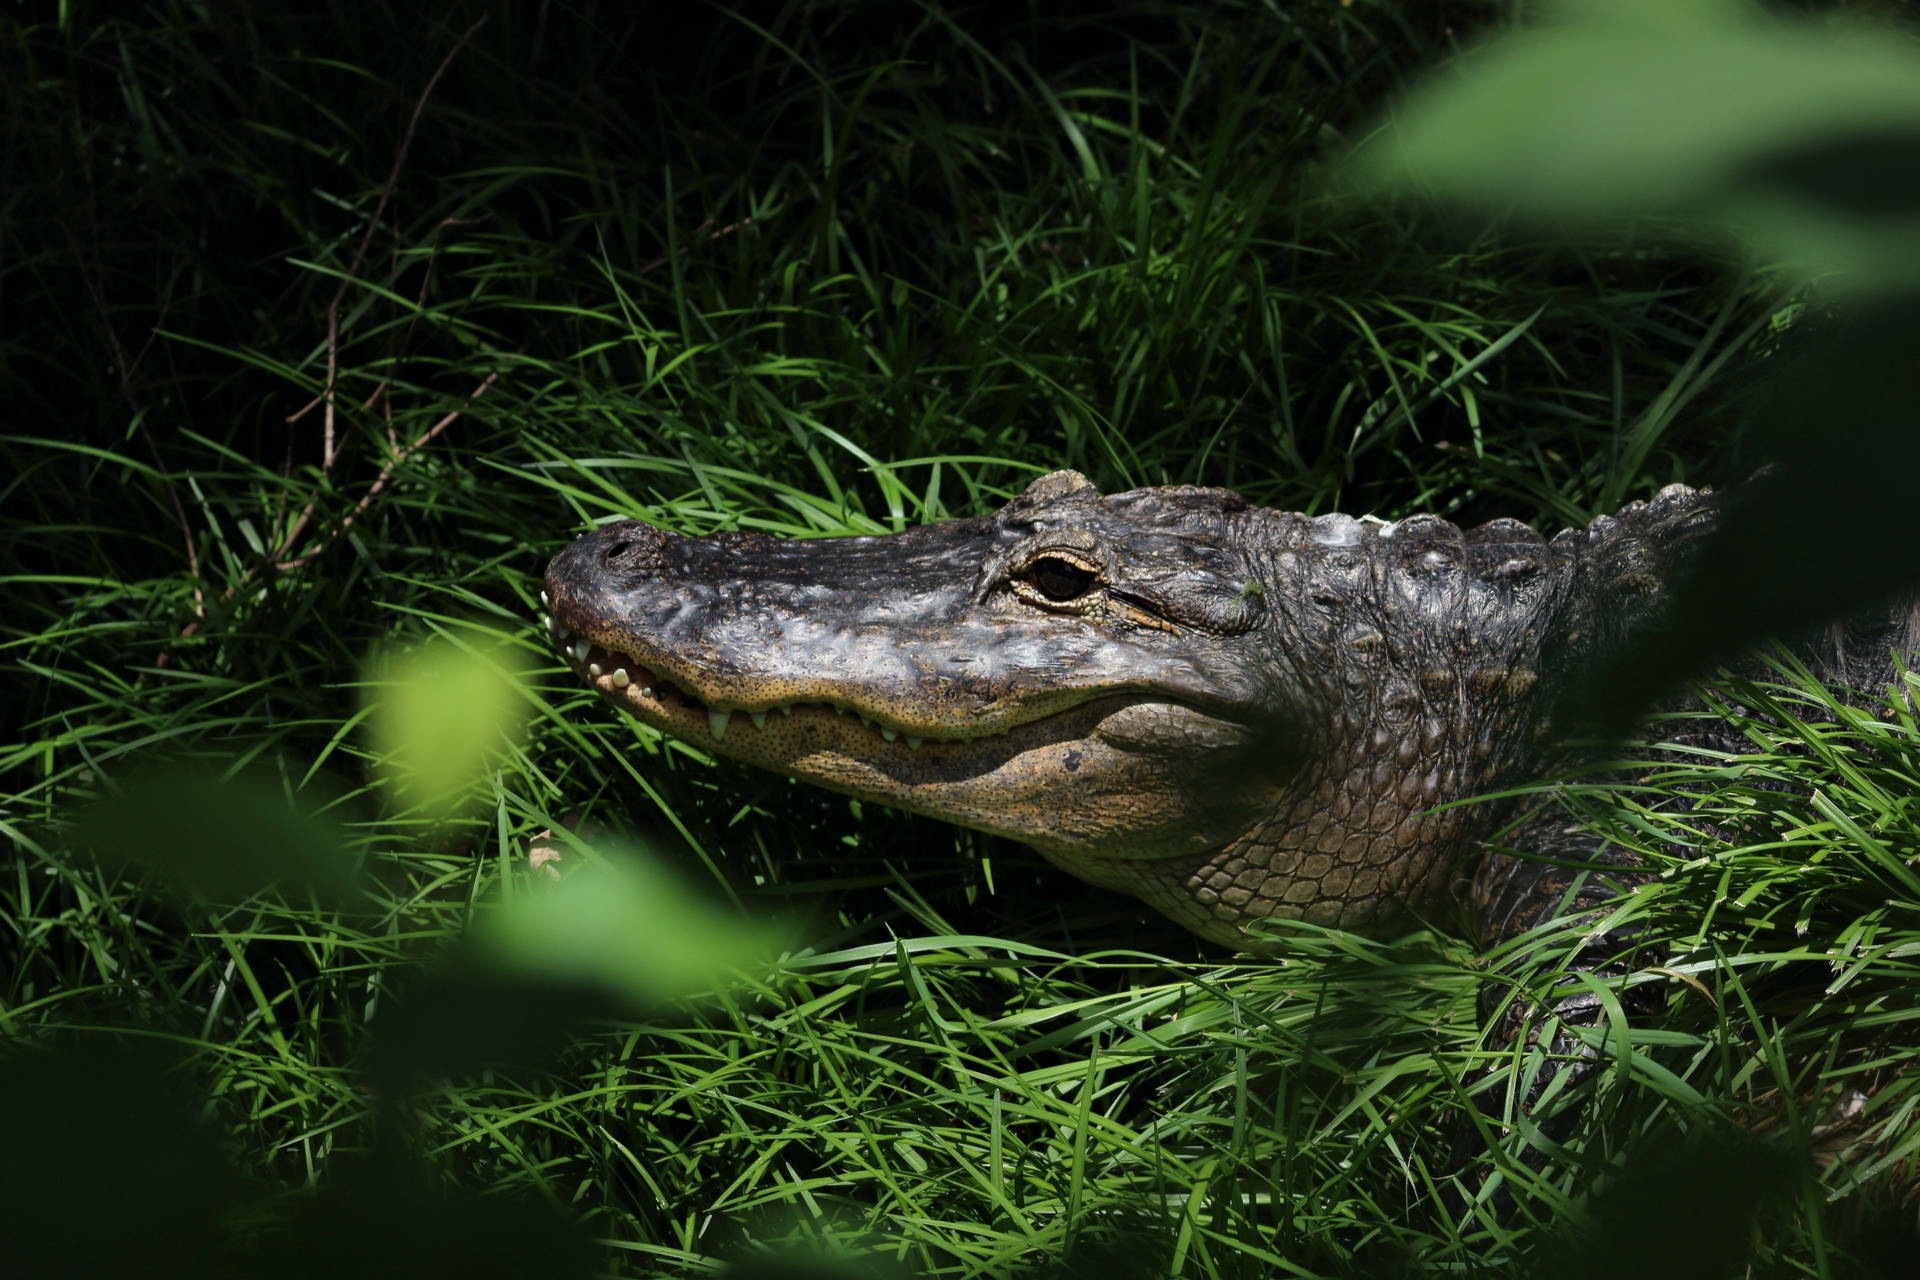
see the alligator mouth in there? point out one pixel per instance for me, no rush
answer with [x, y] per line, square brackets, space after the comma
[661, 700]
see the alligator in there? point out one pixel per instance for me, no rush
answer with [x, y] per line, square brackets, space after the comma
[1240, 716]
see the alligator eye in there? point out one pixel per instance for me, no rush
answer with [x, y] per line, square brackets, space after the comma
[1058, 578]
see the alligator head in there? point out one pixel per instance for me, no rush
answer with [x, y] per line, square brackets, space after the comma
[1232, 713]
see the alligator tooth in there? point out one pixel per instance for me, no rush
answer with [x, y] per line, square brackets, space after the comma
[864, 720]
[543, 598]
[717, 721]
[839, 710]
[594, 670]
[759, 719]
[580, 648]
[914, 743]
[620, 678]
[785, 710]
[646, 691]
[546, 620]
[889, 734]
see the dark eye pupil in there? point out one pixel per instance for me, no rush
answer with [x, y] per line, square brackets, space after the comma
[1058, 579]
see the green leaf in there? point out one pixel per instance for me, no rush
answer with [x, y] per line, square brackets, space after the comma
[225, 837]
[622, 924]
[439, 715]
[1806, 136]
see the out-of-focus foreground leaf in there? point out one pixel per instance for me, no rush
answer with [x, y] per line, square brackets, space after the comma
[111, 1165]
[226, 838]
[626, 925]
[105, 1163]
[1804, 136]
[439, 713]
[1683, 1213]
[1827, 531]
[612, 937]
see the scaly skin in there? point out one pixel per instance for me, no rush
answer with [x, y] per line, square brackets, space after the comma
[1234, 714]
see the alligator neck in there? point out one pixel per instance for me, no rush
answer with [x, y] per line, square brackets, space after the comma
[1445, 653]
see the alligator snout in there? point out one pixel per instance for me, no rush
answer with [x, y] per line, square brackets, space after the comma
[612, 557]
[617, 546]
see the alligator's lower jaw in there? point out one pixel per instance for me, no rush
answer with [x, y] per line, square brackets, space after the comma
[630, 685]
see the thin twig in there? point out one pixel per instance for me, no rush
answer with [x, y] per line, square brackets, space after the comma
[380, 481]
[327, 454]
[648, 268]
[329, 441]
[278, 561]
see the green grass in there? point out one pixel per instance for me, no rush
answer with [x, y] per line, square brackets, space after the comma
[812, 275]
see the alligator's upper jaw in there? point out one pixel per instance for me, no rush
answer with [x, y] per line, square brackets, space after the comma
[877, 627]
[864, 665]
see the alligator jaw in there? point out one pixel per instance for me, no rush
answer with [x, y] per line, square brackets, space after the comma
[652, 691]
[668, 704]
[1004, 774]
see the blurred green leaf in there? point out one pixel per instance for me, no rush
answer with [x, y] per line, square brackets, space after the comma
[1824, 533]
[606, 939]
[1805, 136]
[454, 1020]
[107, 1165]
[1685, 1212]
[625, 925]
[226, 838]
[440, 713]
[395, 1216]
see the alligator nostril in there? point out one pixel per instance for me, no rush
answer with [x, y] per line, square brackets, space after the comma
[617, 548]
